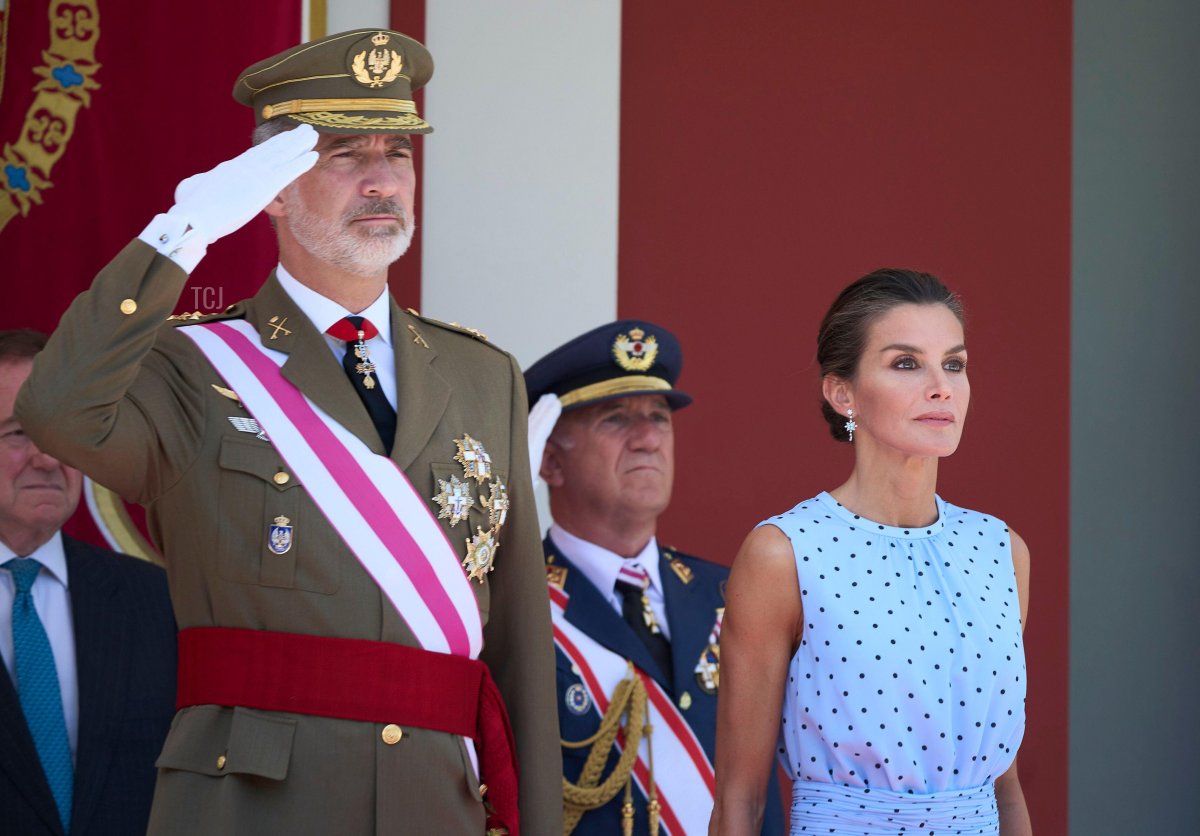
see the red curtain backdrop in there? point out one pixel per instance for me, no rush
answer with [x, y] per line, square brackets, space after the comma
[160, 110]
[135, 96]
[773, 152]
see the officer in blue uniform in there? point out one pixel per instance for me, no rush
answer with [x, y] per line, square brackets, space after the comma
[609, 463]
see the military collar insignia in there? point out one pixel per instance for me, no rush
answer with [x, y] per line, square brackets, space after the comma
[635, 352]
[454, 500]
[277, 323]
[556, 576]
[681, 569]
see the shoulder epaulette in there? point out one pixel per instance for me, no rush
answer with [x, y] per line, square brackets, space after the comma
[236, 311]
[454, 326]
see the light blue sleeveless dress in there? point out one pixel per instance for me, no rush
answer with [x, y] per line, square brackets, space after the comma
[906, 699]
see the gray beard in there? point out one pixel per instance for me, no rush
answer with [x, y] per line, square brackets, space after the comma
[363, 251]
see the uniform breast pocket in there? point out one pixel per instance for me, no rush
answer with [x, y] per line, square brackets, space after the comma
[271, 533]
[472, 514]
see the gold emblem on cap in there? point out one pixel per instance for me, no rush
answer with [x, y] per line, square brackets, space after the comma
[481, 554]
[379, 66]
[635, 352]
[454, 500]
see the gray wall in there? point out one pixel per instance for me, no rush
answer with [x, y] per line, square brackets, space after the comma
[1135, 497]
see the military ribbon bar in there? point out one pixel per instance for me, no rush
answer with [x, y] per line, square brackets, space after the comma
[365, 497]
[686, 787]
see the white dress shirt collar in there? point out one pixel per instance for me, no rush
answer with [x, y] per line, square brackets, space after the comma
[323, 312]
[50, 554]
[600, 566]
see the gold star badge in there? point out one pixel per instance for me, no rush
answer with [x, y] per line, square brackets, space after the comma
[454, 500]
[481, 554]
[476, 462]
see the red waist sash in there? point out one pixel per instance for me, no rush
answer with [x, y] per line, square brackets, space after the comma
[356, 679]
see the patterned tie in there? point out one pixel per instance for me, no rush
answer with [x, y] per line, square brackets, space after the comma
[37, 685]
[633, 584]
[355, 331]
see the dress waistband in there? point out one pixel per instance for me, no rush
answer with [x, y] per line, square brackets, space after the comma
[831, 809]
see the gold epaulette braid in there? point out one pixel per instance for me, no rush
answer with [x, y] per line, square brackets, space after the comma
[628, 700]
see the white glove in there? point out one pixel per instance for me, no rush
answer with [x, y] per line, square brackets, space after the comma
[542, 419]
[211, 205]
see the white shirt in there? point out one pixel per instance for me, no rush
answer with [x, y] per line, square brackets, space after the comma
[323, 312]
[600, 566]
[52, 600]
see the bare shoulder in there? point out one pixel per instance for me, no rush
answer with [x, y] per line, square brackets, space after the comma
[1020, 553]
[765, 558]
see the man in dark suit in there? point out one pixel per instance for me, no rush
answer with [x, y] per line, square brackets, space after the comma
[80, 760]
[637, 625]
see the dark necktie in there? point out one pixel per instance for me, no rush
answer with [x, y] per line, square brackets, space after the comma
[355, 331]
[38, 689]
[635, 608]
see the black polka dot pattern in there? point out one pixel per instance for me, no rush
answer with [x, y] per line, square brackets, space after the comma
[910, 676]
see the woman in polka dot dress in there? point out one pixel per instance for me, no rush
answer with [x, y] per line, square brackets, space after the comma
[872, 634]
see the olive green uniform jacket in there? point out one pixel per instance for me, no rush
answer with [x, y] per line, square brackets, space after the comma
[132, 403]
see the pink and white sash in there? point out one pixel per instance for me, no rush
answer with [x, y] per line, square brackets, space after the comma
[365, 497]
[682, 771]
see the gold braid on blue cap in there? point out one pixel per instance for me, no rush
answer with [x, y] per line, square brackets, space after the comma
[615, 386]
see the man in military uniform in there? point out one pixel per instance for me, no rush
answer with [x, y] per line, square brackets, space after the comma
[339, 488]
[636, 625]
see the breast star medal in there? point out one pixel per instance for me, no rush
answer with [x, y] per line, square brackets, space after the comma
[279, 536]
[708, 669]
[476, 462]
[497, 505]
[481, 555]
[454, 500]
[635, 352]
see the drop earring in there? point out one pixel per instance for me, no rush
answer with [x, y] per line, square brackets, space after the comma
[850, 425]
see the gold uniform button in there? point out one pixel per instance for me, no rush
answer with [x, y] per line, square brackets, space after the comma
[220, 761]
[392, 734]
[281, 478]
[128, 306]
[685, 701]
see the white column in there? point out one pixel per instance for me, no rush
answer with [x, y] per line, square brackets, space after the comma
[520, 175]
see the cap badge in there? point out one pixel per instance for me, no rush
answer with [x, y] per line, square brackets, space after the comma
[379, 66]
[476, 462]
[708, 668]
[279, 538]
[635, 352]
[454, 500]
[481, 555]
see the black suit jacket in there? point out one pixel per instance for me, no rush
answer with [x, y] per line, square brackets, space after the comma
[125, 656]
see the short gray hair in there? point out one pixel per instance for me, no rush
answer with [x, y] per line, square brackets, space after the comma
[272, 127]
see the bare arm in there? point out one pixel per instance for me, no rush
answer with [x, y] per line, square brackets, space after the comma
[762, 627]
[1010, 798]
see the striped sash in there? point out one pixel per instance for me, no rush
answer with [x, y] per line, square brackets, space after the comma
[683, 774]
[365, 497]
